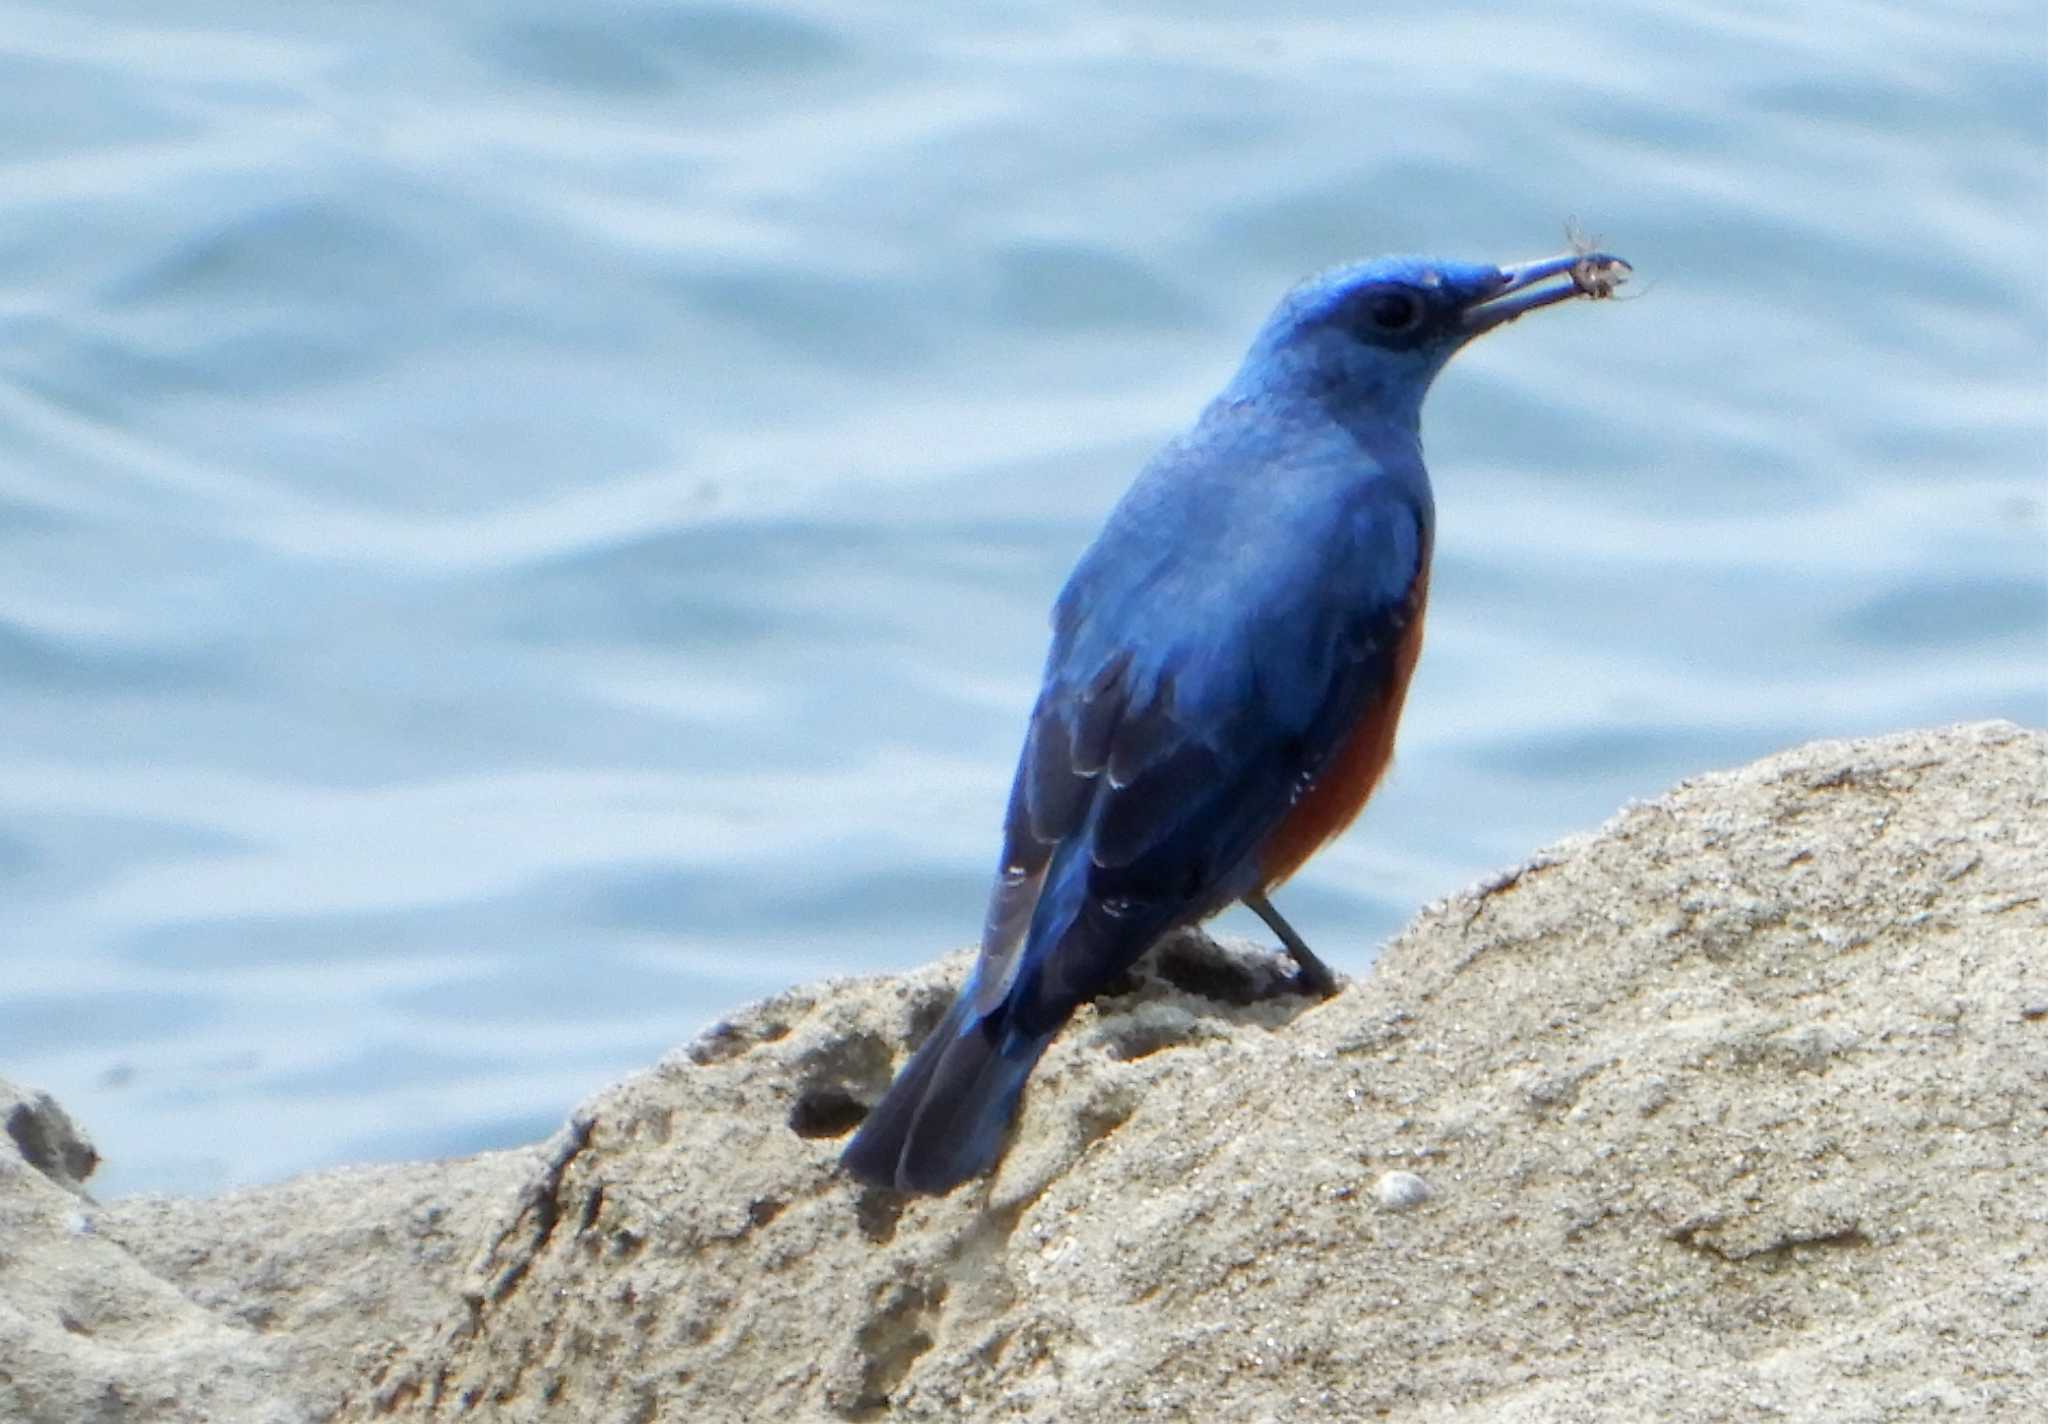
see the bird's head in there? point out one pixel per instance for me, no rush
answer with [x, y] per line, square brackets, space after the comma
[1369, 337]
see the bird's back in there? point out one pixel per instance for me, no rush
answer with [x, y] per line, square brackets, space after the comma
[1245, 601]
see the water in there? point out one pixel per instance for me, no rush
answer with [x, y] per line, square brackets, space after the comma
[524, 526]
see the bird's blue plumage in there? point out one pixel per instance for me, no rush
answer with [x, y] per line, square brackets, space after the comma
[1247, 604]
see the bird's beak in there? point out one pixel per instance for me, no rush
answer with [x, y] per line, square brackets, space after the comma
[1525, 286]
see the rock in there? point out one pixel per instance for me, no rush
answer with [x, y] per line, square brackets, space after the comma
[338, 1271]
[46, 1139]
[262, 1306]
[1401, 1191]
[1730, 1109]
[87, 1333]
[1736, 1108]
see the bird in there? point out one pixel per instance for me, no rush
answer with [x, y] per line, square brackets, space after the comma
[1228, 664]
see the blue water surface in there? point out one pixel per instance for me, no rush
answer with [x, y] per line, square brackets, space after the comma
[526, 525]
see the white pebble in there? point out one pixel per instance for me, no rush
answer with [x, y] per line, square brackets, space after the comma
[1401, 1191]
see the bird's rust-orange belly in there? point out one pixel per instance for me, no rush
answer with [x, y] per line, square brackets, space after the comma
[1336, 797]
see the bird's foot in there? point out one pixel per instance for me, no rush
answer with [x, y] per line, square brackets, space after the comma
[1311, 975]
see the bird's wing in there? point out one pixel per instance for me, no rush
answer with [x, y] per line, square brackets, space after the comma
[1187, 703]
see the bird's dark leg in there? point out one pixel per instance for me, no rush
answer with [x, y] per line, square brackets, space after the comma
[1314, 975]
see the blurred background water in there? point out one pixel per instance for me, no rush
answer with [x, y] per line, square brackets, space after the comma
[526, 525]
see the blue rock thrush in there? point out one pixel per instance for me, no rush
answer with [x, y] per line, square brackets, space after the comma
[1228, 664]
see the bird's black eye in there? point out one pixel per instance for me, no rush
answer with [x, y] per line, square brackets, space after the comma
[1394, 311]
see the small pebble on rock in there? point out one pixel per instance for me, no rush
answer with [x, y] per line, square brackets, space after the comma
[1401, 1191]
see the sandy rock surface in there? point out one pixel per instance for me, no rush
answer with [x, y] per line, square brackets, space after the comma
[261, 1306]
[89, 1334]
[1735, 1109]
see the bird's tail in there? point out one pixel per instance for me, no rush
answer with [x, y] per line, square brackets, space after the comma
[942, 1120]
